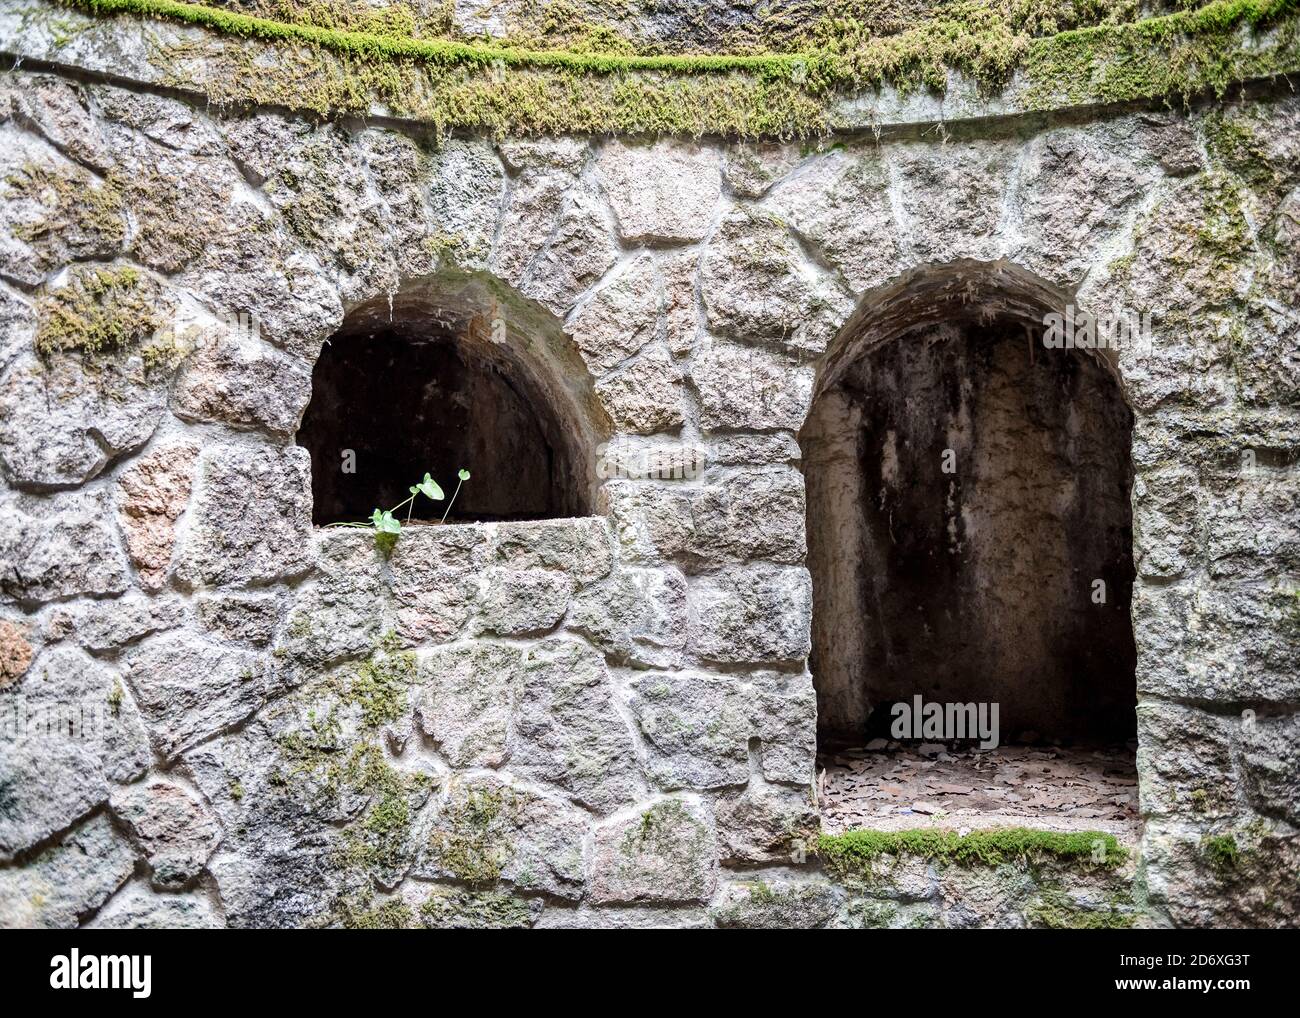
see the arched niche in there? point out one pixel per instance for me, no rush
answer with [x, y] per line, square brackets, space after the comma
[452, 371]
[969, 526]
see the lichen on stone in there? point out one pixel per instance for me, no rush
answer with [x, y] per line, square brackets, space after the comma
[100, 310]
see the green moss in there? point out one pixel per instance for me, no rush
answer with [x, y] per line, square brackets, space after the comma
[448, 908]
[853, 854]
[378, 686]
[115, 697]
[1221, 850]
[99, 311]
[471, 841]
[360, 913]
[1055, 910]
[873, 915]
[71, 204]
[598, 85]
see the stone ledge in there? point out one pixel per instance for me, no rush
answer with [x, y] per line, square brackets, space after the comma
[241, 60]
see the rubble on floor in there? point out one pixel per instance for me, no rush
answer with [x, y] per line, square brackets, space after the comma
[894, 786]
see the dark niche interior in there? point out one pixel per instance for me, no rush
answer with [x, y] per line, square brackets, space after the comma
[414, 396]
[967, 489]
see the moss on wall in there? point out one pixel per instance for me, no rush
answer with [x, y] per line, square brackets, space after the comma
[853, 854]
[101, 310]
[510, 88]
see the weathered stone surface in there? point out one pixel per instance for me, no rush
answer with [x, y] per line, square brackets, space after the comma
[342, 611]
[59, 112]
[751, 168]
[1270, 754]
[754, 450]
[780, 905]
[60, 546]
[702, 729]
[17, 326]
[136, 907]
[487, 830]
[75, 730]
[645, 395]
[189, 689]
[543, 172]
[450, 908]
[653, 522]
[1190, 888]
[152, 493]
[677, 271]
[172, 826]
[698, 727]
[620, 317]
[56, 212]
[1076, 195]
[757, 286]
[241, 381]
[840, 204]
[1188, 647]
[101, 626]
[1167, 538]
[169, 122]
[252, 517]
[66, 881]
[750, 515]
[1252, 526]
[951, 198]
[62, 420]
[45, 799]
[1185, 762]
[466, 700]
[15, 652]
[582, 548]
[661, 192]
[567, 731]
[435, 586]
[639, 616]
[464, 192]
[519, 601]
[751, 614]
[740, 387]
[663, 853]
[766, 824]
[577, 254]
[242, 618]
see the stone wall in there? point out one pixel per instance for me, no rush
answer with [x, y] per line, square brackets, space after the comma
[606, 720]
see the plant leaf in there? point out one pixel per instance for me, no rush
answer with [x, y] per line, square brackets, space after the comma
[463, 474]
[385, 523]
[430, 488]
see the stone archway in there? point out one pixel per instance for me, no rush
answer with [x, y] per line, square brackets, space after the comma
[969, 527]
[451, 372]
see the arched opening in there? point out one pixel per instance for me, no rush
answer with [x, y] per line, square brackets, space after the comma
[450, 373]
[970, 543]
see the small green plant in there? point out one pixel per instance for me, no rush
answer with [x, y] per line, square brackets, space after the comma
[384, 522]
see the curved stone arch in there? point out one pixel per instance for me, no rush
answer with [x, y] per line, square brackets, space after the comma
[962, 290]
[502, 333]
[886, 524]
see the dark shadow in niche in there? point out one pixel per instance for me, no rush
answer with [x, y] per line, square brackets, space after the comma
[977, 583]
[423, 387]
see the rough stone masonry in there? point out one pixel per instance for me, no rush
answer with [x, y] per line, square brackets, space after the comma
[218, 714]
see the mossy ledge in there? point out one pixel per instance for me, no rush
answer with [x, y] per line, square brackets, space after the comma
[854, 853]
[509, 90]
